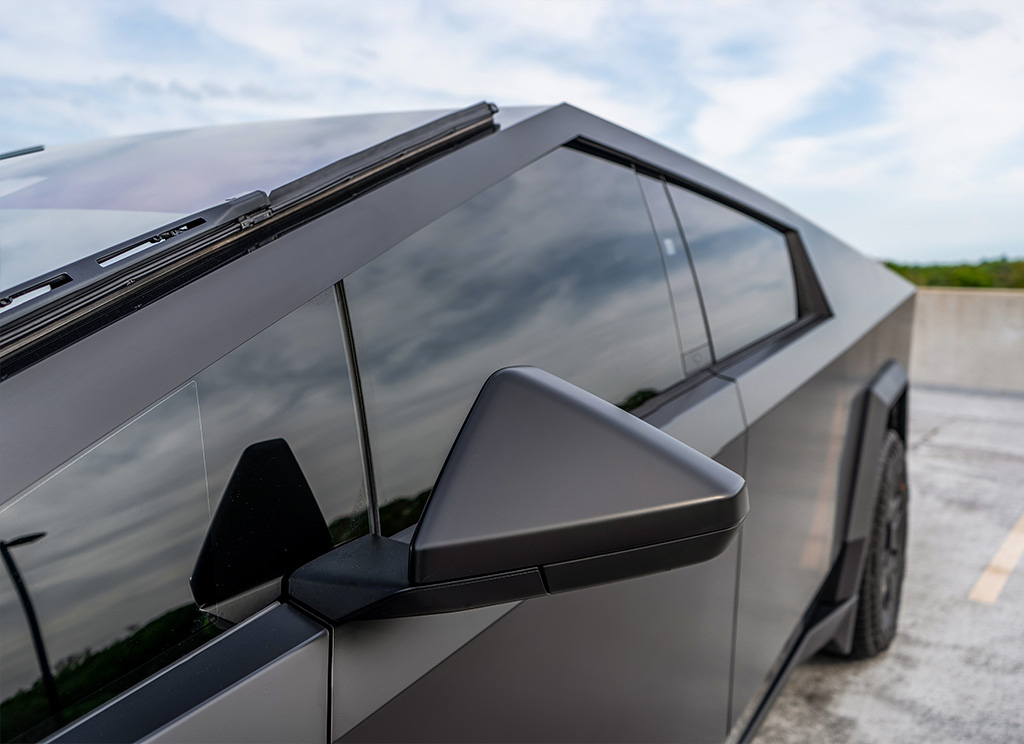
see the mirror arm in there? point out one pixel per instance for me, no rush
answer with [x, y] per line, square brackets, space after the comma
[368, 579]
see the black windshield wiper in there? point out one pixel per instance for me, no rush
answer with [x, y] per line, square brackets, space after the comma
[47, 313]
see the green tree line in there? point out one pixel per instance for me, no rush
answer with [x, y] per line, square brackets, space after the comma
[1000, 273]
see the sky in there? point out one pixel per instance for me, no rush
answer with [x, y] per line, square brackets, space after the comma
[897, 126]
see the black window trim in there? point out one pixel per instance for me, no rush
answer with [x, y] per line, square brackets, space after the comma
[812, 305]
[811, 300]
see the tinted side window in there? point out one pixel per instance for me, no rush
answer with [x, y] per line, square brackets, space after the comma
[554, 267]
[744, 270]
[291, 382]
[99, 554]
[106, 579]
[693, 334]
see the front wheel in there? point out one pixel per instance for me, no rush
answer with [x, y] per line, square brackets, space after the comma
[882, 584]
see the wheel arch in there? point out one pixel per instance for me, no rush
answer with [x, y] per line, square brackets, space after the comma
[884, 408]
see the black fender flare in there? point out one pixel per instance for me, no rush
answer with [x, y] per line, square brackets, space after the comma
[885, 407]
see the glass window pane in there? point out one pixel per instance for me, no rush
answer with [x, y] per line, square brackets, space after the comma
[106, 578]
[554, 267]
[744, 270]
[693, 335]
[104, 548]
[291, 382]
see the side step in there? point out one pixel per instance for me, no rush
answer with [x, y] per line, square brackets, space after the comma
[835, 622]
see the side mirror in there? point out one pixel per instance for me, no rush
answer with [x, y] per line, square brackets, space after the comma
[546, 489]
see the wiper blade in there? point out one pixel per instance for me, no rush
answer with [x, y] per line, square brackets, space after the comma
[42, 315]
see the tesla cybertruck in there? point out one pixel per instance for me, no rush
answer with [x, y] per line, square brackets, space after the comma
[437, 426]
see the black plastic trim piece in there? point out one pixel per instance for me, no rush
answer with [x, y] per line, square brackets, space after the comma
[880, 399]
[266, 524]
[625, 564]
[816, 636]
[196, 679]
[368, 579]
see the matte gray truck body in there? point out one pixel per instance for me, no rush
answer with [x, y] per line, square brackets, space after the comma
[690, 654]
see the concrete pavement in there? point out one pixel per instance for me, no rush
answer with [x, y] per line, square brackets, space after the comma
[955, 672]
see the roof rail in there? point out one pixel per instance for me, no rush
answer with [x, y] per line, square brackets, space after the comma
[45, 314]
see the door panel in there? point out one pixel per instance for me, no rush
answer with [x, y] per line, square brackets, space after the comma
[375, 661]
[264, 680]
[647, 659]
[639, 660]
[794, 454]
[801, 453]
[559, 267]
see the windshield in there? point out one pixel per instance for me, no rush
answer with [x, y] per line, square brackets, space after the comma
[66, 203]
[38, 241]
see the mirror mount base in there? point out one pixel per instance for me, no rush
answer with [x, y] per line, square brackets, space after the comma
[368, 578]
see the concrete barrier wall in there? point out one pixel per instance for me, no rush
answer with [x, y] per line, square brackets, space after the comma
[969, 338]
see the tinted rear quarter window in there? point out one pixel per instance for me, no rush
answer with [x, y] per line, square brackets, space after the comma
[744, 270]
[693, 334]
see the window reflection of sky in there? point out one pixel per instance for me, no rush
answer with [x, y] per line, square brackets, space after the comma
[192, 169]
[555, 267]
[37, 241]
[170, 173]
[744, 269]
[125, 520]
[290, 381]
[123, 524]
[690, 318]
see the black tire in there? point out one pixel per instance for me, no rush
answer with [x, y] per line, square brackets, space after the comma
[882, 584]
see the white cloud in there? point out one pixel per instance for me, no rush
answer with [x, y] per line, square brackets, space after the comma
[728, 82]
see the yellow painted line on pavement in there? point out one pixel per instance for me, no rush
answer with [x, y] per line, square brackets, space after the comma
[994, 578]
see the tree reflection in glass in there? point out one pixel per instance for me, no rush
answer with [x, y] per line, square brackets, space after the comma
[109, 583]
